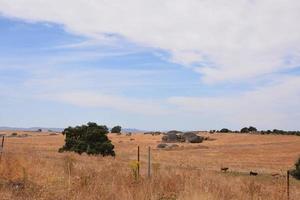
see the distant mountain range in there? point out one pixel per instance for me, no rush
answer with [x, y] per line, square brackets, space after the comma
[6, 128]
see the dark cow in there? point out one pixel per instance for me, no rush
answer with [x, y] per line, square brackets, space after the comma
[224, 169]
[253, 173]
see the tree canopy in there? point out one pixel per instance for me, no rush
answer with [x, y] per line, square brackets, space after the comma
[225, 130]
[252, 129]
[244, 130]
[116, 129]
[296, 172]
[90, 139]
[247, 130]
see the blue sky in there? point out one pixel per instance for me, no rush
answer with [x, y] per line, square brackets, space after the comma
[169, 71]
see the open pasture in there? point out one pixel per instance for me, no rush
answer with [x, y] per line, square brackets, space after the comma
[32, 168]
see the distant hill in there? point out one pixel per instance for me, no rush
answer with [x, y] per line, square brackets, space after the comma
[6, 128]
[132, 130]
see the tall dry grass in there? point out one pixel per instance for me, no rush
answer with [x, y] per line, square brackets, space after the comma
[31, 168]
[69, 176]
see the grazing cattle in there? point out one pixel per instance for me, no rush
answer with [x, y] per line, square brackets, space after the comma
[224, 169]
[253, 173]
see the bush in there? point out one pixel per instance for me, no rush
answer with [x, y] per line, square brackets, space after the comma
[14, 134]
[280, 132]
[245, 130]
[116, 129]
[296, 172]
[90, 138]
[225, 130]
[252, 129]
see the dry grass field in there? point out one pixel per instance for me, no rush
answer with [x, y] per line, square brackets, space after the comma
[32, 168]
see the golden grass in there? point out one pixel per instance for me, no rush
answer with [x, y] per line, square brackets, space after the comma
[31, 168]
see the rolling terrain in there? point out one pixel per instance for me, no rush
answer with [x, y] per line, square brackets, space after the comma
[32, 168]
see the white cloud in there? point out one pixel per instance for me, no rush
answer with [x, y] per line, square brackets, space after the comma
[232, 40]
[275, 106]
[222, 40]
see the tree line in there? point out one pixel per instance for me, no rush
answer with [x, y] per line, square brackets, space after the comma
[253, 130]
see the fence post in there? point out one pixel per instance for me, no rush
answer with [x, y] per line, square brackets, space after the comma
[138, 159]
[2, 144]
[1, 149]
[149, 162]
[288, 184]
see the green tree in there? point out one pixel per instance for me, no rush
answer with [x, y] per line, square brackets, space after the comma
[245, 130]
[90, 139]
[225, 130]
[296, 172]
[252, 129]
[116, 129]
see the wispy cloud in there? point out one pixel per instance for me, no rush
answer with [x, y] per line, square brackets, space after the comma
[206, 63]
[233, 40]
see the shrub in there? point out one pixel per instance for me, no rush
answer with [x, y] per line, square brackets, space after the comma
[281, 132]
[14, 134]
[296, 172]
[252, 129]
[90, 138]
[224, 130]
[245, 130]
[134, 165]
[276, 131]
[116, 129]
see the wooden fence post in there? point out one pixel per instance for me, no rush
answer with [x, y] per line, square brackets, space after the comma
[1, 148]
[138, 159]
[288, 184]
[2, 144]
[149, 162]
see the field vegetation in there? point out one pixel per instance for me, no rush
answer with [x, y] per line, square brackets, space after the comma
[32, 168]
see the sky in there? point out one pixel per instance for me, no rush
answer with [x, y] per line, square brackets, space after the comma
[150, 64]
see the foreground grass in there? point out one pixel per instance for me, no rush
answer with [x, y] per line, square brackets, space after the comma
[31, 168]
[72, 176]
